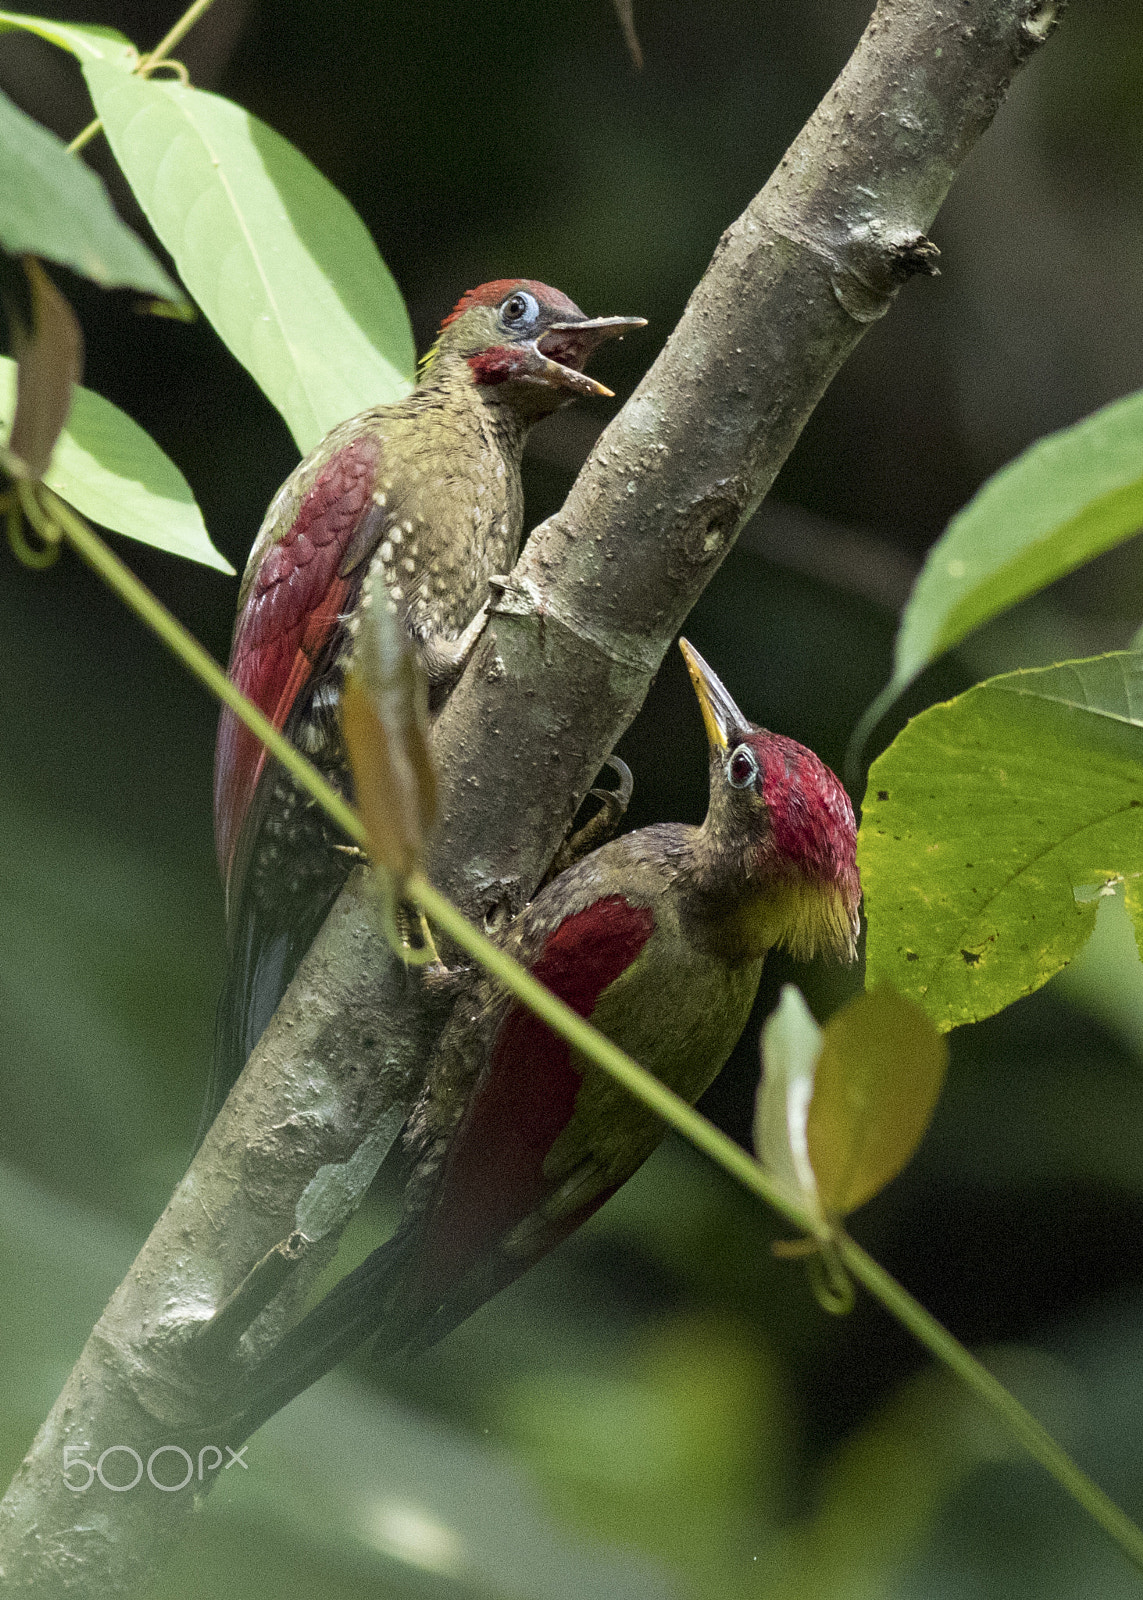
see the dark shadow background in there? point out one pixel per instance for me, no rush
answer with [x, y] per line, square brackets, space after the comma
[665, 1387]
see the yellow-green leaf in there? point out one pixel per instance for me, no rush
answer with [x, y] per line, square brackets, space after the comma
[87, 41]
[1062, 502]
[990, 826]
[876, 1084]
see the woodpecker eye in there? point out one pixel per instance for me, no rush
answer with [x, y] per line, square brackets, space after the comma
[742, 768]
[519, 310]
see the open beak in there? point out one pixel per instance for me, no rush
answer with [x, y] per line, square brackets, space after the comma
[564, 347]
[721, 717]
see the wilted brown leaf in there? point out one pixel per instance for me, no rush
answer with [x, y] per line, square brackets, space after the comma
[384, 715]
[48, 346]
[625, 11]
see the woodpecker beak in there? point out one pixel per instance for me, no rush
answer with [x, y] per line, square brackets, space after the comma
[543, 369]
[565, 347]
[599, 327]
[721, 717]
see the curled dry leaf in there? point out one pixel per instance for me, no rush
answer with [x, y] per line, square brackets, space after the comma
[48, 346]
[625, 11]
[384, 715]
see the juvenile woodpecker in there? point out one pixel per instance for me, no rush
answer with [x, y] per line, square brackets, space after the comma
[427, 491]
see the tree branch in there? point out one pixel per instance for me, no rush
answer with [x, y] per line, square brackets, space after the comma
[563, 667]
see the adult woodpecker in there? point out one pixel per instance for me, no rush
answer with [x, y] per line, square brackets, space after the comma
[658, 937]
[427, 491]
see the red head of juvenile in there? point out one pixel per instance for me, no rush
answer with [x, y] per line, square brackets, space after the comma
[781, 820]
[517, 332]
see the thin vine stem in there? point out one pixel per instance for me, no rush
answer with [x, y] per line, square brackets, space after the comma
[152, 59]
[85, 135]
[683, 1117]
[1035, 1438]
[119, 577]
[177, 34]
[52, 519]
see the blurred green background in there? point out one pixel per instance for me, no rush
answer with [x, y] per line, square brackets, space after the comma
[660, 1409]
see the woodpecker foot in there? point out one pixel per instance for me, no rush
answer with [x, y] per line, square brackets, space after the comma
[353, 851]
[217, 1339]
[414, 935]
[440, 983]
[599, 828]
[445, 659]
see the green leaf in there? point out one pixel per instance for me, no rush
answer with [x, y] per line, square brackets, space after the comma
[841, 1109]
[110, 470]
[275, 256]
[87, 41]
[990, 827]
[1133, 898]
[52, 205]
[876, 1086]
[1106, 978]
[791, 1044]
[1066, 499]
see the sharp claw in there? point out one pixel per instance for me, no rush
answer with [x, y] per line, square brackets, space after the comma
[616, 800]
[613, 804]
[626, 782]
[444, 661]
[415, 935]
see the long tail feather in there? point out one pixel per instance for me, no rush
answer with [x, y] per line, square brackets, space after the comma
[263, 959]
[355, 1310]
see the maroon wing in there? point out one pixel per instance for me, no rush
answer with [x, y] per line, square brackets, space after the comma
[298, 593]
[494, 1171]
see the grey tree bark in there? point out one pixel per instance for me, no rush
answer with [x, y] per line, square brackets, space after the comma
[566, 660]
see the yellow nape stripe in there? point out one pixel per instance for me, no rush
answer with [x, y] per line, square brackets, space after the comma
[425, 363]
[811, 919]
[808, 919]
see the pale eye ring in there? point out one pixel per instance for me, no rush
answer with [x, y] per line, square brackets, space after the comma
[520, 310]
[742, 768]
